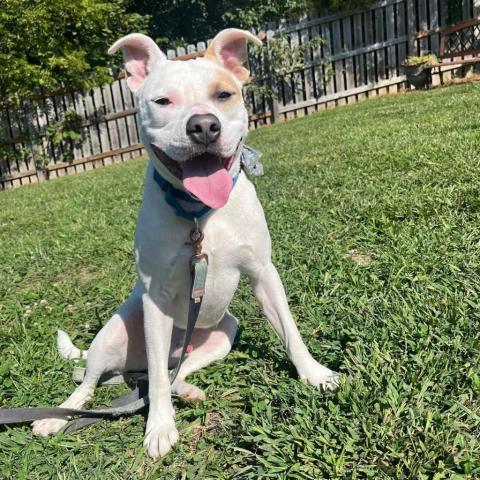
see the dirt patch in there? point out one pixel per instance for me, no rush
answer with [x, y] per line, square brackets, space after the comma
[213, 420]
[85, 275]
[358, 257]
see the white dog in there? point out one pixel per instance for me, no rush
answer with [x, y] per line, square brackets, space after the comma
[193, 122]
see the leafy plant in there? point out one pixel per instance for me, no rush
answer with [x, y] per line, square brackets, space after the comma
[429, 59]
[338, 4]
[286, 58]
[65, 129]
[64, 134]
[202, 19]
[11, 152]
[46, 43]
[278, 59]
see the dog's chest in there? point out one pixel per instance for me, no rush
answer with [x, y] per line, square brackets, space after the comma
[222, 279]
[163, 266]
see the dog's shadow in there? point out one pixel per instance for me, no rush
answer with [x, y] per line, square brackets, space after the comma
[264, 348]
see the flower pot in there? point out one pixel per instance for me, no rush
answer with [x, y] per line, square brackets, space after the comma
[417, 75]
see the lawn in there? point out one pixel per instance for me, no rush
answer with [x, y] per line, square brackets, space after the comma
[374, 211]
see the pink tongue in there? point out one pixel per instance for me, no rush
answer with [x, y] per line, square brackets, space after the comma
[208, 180]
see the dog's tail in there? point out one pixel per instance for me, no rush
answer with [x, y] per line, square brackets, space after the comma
[67, 349]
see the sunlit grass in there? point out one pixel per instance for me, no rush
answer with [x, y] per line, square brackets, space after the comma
[374, 212]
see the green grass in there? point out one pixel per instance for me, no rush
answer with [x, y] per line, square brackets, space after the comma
[394, 179]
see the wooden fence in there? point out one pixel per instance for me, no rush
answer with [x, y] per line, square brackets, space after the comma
[360, 56]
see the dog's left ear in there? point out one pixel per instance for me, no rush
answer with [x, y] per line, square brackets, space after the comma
[229, 49]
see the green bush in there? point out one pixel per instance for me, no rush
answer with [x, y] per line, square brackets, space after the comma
[49, 42]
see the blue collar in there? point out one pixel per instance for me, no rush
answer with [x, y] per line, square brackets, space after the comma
[173, 195]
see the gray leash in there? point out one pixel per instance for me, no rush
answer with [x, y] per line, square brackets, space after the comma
[136, 400]
[125, 405]
[129, 404]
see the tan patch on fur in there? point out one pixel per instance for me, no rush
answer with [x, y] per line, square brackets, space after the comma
[238, 69]
[210, 53]
[223, 81]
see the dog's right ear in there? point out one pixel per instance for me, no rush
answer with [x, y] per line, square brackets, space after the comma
[140, 54]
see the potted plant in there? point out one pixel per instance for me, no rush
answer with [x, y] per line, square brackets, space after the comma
[417, 69]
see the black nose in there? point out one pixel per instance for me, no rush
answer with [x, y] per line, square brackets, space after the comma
[203, 129]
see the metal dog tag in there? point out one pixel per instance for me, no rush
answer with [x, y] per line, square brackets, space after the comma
[199, 270]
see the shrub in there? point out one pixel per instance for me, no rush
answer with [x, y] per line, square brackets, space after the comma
[49, 42]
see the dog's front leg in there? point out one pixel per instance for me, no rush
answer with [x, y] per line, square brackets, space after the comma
[161, 433]
[269, 292]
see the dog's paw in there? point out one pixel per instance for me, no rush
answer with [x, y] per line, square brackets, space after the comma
[160, 436]
[188, 392]
[319, 376]
[47, 426]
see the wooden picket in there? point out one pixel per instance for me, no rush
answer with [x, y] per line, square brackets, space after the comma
[360, 56]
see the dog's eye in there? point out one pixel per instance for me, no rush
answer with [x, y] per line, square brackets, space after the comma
[224, 95]
[164, 101]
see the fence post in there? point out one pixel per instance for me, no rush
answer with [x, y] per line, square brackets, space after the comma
[271, 80]
[411, 27]
[41, 171]
[28, 122]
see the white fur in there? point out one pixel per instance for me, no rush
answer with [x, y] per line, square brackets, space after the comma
[67, 349]
[237, 242]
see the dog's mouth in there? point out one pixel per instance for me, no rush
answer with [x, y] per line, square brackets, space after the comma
[205, 176]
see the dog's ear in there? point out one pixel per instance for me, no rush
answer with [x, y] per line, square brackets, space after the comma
[140, 54]
[229, 49]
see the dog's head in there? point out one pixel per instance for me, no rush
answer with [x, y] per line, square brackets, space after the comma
[192, 114]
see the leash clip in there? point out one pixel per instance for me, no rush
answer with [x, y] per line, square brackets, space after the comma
[196, 238]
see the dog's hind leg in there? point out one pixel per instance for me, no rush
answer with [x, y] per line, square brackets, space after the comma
[209, 345]
[118, 346]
